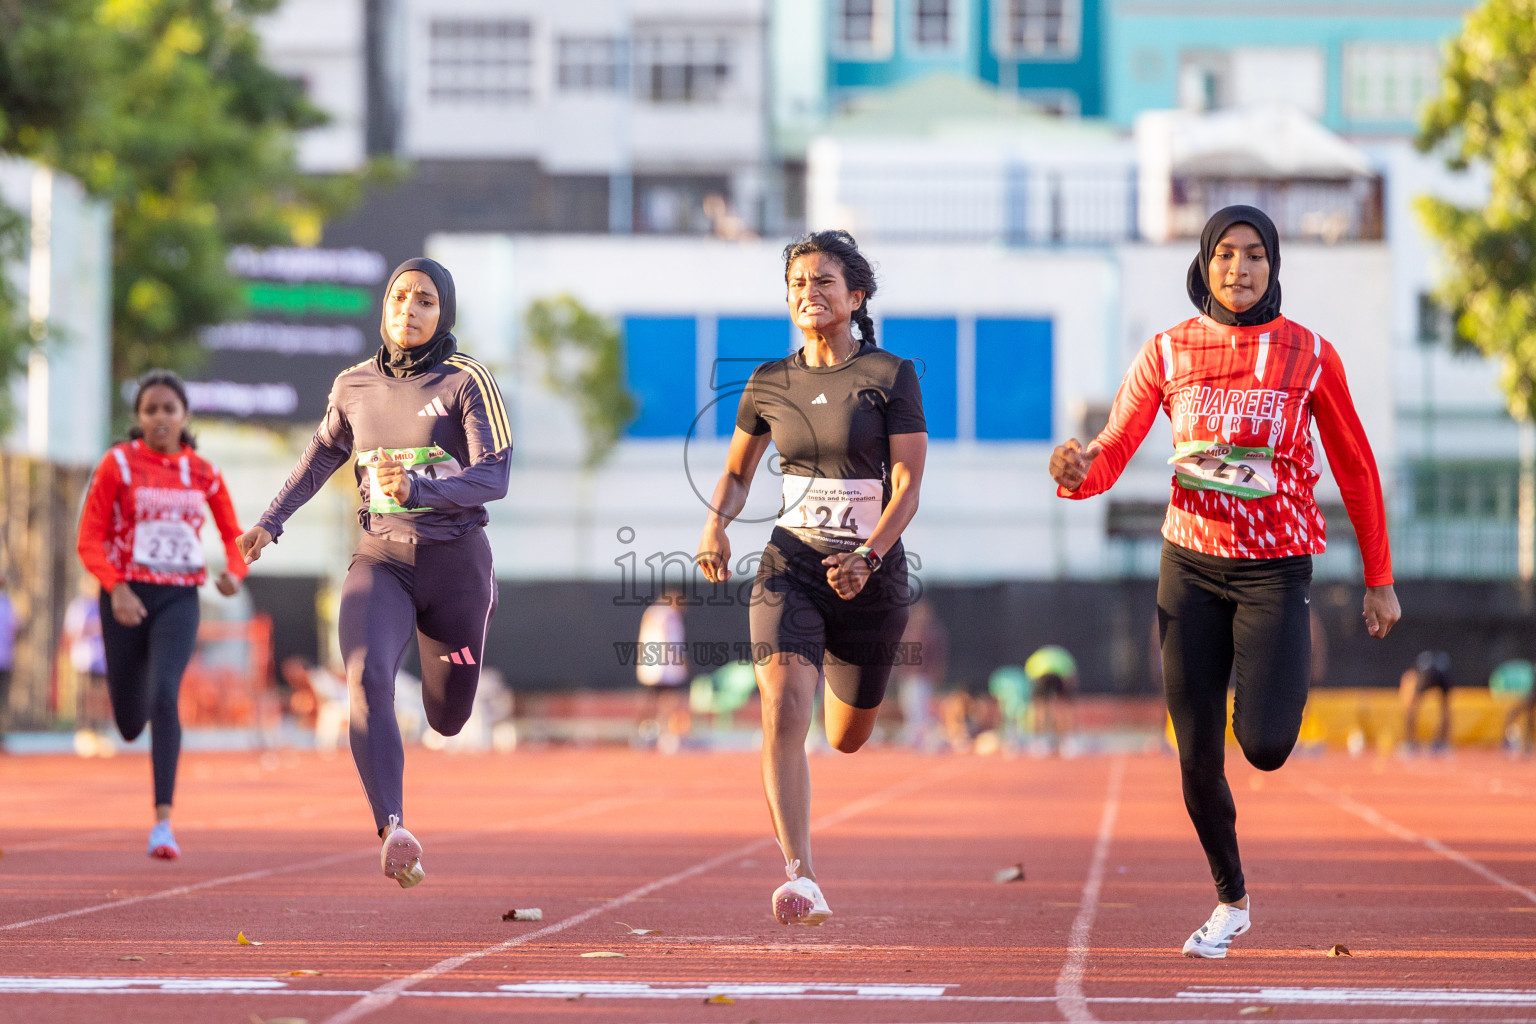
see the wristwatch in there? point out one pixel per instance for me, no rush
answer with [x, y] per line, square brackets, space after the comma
[871, 559]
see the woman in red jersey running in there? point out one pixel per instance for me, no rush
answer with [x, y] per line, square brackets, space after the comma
[1242, 386]
[139, 537]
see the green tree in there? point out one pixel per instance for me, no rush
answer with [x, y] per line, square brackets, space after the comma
[163, 109]
[1486, 115]
[584, 363]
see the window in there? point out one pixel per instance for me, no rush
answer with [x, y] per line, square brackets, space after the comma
[592, 64]
[1013, 380]
[1435, 322]
[862, 28]
[742, 344]
[1252, 76]
[478, 61]
[1039, 28]
[659, 364]
[857, 24]
[682, 69]
[1483, 489]
[934, 24]
[933, 346]
[1389, 81]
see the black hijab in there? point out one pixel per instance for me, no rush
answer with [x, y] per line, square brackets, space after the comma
[403, 362]
[1222, 221]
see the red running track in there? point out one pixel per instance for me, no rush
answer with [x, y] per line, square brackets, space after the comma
[1425, 869]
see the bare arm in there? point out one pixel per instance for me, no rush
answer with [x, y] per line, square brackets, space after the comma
[847, 573]
[909, 453]
[730, 496]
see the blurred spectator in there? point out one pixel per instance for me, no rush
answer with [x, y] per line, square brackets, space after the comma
[87, 658]
[1517, 679]
[662, 668]
[7, 654]
[1431, 671]
[1052, 673]
[918, 673]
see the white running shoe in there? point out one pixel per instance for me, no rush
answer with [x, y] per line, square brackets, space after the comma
[162, 842]
[1210, 940]
[401, 856]
[799, 900]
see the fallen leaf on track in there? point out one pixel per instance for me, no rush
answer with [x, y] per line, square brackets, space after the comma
[637, 931]
[530, 914]
[303, 973]
[719, 999]
[1013, 874]
[130, 958]
[241, 940]
[603, 952]
[1249, 1011]
[1339, 950]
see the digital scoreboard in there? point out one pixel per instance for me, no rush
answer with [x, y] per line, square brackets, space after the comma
[310, 313]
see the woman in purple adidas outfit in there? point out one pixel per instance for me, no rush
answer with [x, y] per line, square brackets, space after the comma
[429, 432]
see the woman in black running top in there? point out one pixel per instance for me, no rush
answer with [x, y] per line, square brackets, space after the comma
[429, 433]
[831, 592]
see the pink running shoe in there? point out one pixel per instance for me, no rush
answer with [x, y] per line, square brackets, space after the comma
[799, 900]
[401, 857]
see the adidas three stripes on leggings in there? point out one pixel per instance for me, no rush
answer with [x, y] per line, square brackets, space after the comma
[444, 594]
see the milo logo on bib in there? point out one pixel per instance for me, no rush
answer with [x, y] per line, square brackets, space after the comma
[1217, 466]
[431, 462]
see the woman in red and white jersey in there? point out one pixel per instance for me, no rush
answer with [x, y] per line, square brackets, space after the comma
[1243, 387]
[139, 537]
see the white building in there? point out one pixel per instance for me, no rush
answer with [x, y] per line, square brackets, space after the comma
[323, 45]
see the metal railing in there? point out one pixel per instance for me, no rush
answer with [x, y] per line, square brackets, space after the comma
[1012, 205]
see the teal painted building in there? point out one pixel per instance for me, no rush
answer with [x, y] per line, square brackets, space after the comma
[1362, 67]
[1048, 51]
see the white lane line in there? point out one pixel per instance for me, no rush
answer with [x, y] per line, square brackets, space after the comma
[1381, 821]
[1070, 999]
[595, 807]
[1363, 996]
[771, 992]
[388, 992]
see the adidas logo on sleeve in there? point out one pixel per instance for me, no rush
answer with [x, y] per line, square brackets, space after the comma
[820, 399]
[434, 408]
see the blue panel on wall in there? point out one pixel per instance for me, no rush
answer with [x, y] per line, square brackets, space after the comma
[742, 343]
[1013, 380]
[659, 362]
[931, 344]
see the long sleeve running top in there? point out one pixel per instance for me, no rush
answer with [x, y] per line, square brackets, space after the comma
[1242, 401]
[448, 424]
[142, 515]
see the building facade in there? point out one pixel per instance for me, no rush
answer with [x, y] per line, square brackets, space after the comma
[1358, 66]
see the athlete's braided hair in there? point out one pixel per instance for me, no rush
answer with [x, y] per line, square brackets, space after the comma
[168, 379]
[858, 275]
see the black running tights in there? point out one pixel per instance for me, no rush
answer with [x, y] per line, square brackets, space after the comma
[144, 668]
[1214, 614]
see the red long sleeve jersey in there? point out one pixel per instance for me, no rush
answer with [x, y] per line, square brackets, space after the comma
[1251, 388]
[143, 513]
